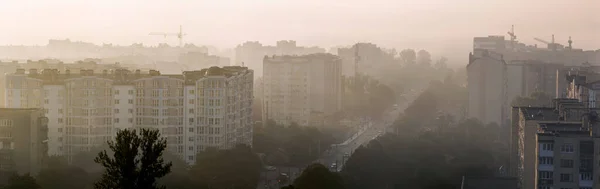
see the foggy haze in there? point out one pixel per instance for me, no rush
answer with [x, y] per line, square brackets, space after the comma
[442, 27]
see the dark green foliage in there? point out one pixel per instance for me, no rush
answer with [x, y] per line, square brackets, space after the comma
[58, 175]
[434, 146]
[536, 99]
[179, 178]
[137, 161]
[25, 181]
[317, 176]
[235, 168]
[291, 145]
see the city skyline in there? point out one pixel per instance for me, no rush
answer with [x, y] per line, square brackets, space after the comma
[391, 24]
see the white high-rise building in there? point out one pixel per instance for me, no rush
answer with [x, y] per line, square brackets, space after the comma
[301, 89]
[194, 110]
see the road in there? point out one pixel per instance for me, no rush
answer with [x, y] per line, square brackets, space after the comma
[337, 153]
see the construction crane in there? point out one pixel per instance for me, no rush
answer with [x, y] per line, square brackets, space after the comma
[551, 45]
[513, 37]
[178, 35]
[541, 40]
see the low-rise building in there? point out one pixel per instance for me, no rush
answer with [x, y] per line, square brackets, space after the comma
[23, 141]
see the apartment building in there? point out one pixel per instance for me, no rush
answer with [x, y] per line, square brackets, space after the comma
[251, 53]
[193, 110]
[553, 147]
[23, 141]
[487, 81]
[301, 89]
[371, 59]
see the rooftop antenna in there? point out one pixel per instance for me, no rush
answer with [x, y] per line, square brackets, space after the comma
[570, 43]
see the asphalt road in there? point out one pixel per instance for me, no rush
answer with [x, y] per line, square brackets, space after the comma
[337, 154]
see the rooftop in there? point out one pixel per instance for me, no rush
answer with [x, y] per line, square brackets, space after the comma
[125, 76]
[301, 58]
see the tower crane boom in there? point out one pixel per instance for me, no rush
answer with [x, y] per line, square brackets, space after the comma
[178, 35]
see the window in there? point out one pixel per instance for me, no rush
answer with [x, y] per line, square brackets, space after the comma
[130, 92]
[59, 139]
[566, 177]
[191, 139]
[116, 120]
[60, 120]
[60, 110]
[585, 176]
[191, 111]
[116, 92]
[545, 175]
[191, 129]
[116, 101]
[546, 160]
[130, 111]
[191, 158]
[130, 120]
[130, 101]
[191, 120]
[566, 148]
[566, 163]
[116, 111]
[548, 146]
[46, 101]
[191, 148]
[191, 91]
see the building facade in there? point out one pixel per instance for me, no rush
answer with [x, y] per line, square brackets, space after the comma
[23, 141]
[301, 89]
[554, 147]
[193, 110]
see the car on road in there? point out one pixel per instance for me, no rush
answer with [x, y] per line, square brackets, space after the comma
[346, 154]
[283, 178]
[334, 165]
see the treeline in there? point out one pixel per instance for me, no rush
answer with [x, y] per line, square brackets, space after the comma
[432, 147]
[365, 96]
[214, 169]
[293, 145]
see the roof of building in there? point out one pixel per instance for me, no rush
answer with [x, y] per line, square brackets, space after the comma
[126, 77]
[301, 58]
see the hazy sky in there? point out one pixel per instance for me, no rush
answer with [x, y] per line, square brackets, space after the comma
[438, 25]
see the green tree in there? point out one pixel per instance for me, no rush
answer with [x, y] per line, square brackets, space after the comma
[317, 176]
[25, 181]
[179, 177]
[238, 167]
[57, 174]
[424, 58]
[137, 161]
[535, 99]
[408, 56]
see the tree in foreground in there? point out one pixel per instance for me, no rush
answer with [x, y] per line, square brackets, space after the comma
[25, 181]
[137, 161]
[317, 176]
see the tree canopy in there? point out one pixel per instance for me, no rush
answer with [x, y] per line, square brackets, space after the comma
[235, 168]
[137, 161]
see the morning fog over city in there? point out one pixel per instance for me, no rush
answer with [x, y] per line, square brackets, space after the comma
[299, 94]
